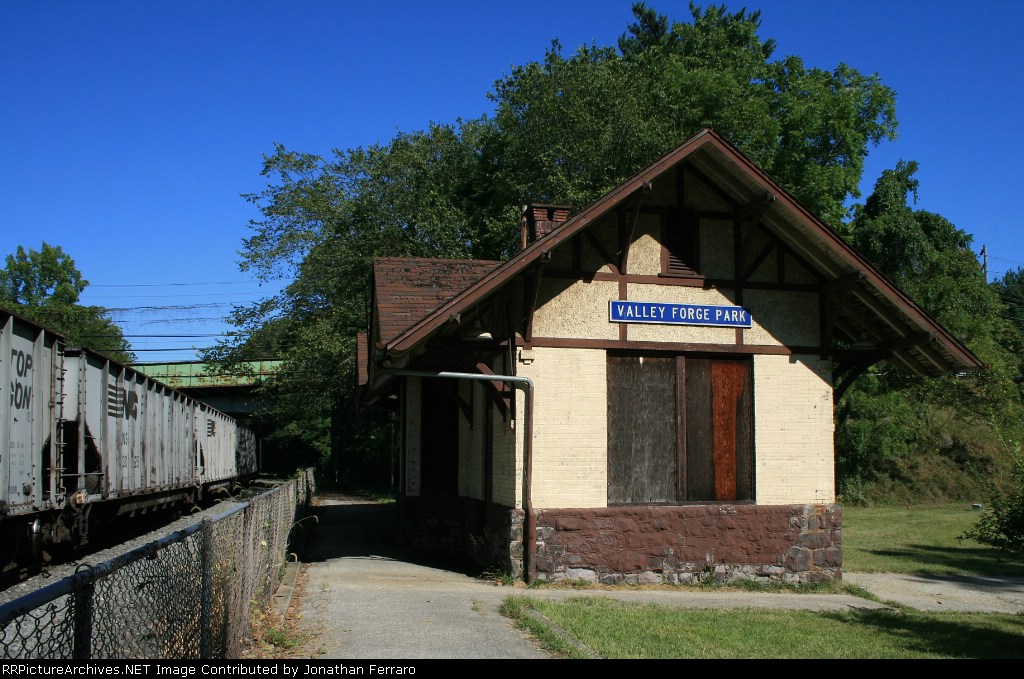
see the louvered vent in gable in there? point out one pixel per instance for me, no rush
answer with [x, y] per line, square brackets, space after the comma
[680, 244]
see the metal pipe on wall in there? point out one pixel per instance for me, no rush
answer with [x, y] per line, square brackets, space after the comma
[526, 384]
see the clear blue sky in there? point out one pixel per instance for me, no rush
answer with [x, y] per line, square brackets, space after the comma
[130, 128]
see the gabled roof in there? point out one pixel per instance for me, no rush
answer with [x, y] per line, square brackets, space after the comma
[409, 289]
[911, 337]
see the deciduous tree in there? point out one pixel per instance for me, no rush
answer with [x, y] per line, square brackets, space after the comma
[565, 129]
[572, 127]
[44, 285]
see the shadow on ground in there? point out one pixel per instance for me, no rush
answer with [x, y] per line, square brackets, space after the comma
[347, 526]
[957, 560]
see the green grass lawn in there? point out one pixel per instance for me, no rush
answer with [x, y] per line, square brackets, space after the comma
[919, 539]
[588, 627]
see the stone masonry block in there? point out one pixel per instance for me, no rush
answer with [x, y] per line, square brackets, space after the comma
[798, 560]
[815, 540]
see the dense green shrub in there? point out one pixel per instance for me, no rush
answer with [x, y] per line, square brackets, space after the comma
[874, 428]
[1002, 524]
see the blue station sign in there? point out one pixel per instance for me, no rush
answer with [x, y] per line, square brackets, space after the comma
[620, 311]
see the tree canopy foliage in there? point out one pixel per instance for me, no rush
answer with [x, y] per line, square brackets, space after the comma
[575, 126]
[44, 286]
[566, 129]
[888, 415]
[1011, 291]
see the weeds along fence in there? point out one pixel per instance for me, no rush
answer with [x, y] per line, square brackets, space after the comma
[189, 595]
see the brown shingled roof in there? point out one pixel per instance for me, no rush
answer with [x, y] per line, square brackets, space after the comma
[408, 289]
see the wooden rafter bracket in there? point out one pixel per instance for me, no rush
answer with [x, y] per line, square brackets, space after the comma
[835, 294]
[851, 364]
[845, 283]
[915, 340]
[500, 393]
[903, 331]
[846, 378]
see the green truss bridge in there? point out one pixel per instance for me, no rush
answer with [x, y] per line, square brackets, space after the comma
[230, 393]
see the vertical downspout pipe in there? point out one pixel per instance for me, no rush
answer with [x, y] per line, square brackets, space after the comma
[526, 384]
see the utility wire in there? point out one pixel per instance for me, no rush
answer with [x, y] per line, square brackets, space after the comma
[176, 294]
[151, 285]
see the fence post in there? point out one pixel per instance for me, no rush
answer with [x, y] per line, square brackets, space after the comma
[84, 587]
[207, 589]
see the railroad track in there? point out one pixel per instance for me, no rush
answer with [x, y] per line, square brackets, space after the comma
[24, 579]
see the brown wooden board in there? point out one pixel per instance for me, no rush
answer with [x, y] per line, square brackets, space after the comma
[745, 436]
[641, 429]
[700, 464]
[679, 429]
[726, 385]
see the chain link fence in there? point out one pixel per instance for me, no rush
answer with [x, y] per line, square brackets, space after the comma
[190, 595]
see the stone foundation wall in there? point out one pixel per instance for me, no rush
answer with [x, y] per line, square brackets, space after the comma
[496, 537]
[641, 544]
[490, 536]
[684, 544]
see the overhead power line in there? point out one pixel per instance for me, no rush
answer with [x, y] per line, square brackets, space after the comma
[176, 294]
[153, 285]
[167, 307]
[108, 336]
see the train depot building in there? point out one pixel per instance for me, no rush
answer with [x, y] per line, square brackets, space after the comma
[644, 393]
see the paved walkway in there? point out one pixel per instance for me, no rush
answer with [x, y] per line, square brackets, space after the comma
[359, 596]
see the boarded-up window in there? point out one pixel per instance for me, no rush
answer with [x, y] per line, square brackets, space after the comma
[719, 441]
[641, 429]
[680, 429]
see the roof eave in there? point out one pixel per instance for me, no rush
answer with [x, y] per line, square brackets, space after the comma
[877, 282]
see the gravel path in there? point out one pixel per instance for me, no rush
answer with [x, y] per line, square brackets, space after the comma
[971, 593]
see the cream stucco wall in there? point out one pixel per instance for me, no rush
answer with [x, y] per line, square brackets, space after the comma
[575, 309]
[579, 310]
[793, 430]
[570, 442]
[645, 251]
[717, 259]
[782, 318]
[471, 441]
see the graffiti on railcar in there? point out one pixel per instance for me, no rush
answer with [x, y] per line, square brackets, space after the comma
[21, 387]
[121, 402]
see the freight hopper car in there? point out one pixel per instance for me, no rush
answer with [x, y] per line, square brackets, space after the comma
[86, 440]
